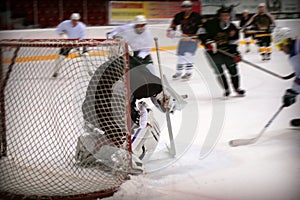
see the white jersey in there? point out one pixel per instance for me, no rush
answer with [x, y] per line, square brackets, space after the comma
[295, 62]
[138, 42]
[73, 32]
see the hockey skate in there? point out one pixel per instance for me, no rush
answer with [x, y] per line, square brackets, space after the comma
[55, 74]
[226, 93]
[177, 75]
[187, 76]
[266, 56]
[240, 92]
[295, 122]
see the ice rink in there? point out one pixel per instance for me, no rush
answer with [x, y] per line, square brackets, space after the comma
[205, 166]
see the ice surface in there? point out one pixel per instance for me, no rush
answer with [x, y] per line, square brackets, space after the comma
[206, 167]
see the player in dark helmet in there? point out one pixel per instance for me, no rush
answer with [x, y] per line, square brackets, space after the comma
[221, 33]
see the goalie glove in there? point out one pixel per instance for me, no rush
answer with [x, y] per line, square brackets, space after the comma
[211, 46]
[289, 97]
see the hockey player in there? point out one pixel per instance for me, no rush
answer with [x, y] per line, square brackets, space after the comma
[221, 33]
[285, 43]
[189, 22]
[139, 38]
[71, 29]
[247, 36]
[105, 89]
[263, 24]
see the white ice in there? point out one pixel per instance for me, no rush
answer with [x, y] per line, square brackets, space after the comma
[205, 166]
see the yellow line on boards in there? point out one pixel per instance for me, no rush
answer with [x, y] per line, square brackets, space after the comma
[95, 53]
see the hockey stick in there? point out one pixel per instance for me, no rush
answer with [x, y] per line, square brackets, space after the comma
[172, 149]
[258, 67]
[239, 142]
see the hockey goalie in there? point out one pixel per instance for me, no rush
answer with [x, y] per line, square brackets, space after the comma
[103, 145]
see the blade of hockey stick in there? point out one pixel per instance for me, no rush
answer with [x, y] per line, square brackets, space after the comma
[240, 142]
[258, 67]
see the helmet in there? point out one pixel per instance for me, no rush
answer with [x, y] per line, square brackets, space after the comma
[262, 5]
[224, 9]
[246, 11]
[186, 4]
[281, 35]
[140, 19]
[75, 16]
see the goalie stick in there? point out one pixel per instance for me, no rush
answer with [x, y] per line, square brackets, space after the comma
[172, 149]
[239, 142]
[258, 67]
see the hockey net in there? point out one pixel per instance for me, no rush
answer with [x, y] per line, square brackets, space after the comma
[53, 130]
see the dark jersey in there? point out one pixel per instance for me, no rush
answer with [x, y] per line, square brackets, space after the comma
[262, 21]
[106, 92]
[244, 20]
[221, 35]
[188, 24]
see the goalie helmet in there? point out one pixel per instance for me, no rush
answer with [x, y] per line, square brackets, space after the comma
[75, 16]
[281, 35]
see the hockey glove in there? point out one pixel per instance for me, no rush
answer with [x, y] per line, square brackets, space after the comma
[237, 58]
[289, 97]
[211, 46]
[170, 33]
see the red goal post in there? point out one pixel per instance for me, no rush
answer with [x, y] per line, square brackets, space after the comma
[51, 130]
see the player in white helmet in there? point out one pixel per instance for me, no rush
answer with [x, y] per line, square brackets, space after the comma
[140, 40]
[189, 22]
[71, 29]
[291, 46]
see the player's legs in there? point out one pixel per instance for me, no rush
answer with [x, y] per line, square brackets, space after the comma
[248, 42]
[264, 47]
[186, 51]
[234, 75]
[219, 71]
[63, 52]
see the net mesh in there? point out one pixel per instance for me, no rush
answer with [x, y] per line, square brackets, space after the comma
[53, 129]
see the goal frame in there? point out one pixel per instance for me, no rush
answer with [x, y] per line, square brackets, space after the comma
[56, 43]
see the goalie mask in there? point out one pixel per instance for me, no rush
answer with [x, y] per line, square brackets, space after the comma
[140, 22]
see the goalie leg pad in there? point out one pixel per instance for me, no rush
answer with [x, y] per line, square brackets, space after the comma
[146, 140]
